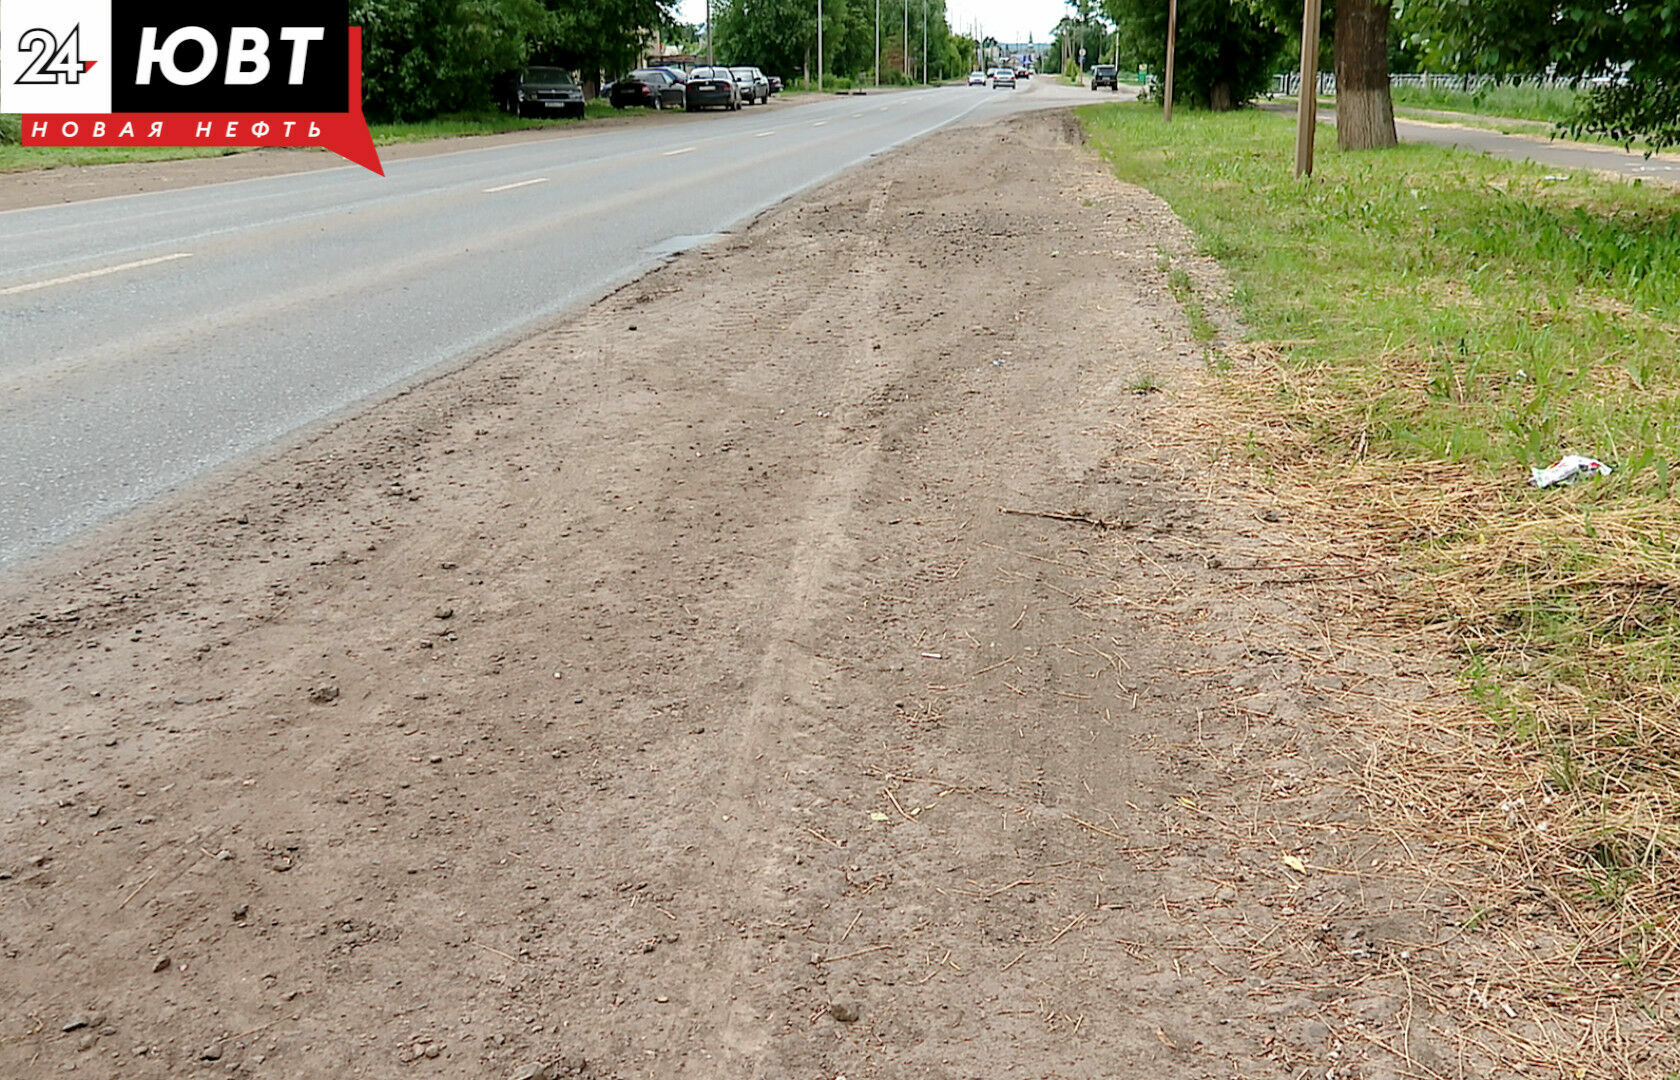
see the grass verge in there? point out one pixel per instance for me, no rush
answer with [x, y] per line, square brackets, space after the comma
[16, 158]
[1429, 324]
[1551, 104]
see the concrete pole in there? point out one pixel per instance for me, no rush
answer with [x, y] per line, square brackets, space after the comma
[819, 47]
[1306, 108]
[877, 42]
[1172, 47]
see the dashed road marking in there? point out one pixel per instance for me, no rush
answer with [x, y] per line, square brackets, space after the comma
[521, 183]
[674, 153]
[87, 274]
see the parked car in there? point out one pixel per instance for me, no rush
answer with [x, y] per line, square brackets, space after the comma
[547, 91]
[977, 78]
[1003, 77]
[712, 87]
[756, 89]
[775, 84]
[1105, 75]
[653, 88]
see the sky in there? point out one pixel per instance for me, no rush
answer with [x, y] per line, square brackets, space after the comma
[1006, 20]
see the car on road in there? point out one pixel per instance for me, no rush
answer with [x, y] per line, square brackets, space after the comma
[755, 88]
[548, 91]
[712, 88]
[775, 84]
[652, 88]
[1023, 73]
[1003, 77]
[977, 78]
[1105, 75]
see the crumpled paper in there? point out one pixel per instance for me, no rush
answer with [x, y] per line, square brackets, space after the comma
[1573, 467]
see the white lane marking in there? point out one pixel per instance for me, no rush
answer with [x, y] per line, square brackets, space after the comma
[762, 134]
[856, 115]
[86, 274]
[674, 153]
[510, 187]
[819, 123]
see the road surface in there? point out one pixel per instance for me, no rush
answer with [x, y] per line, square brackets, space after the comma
[150, 339]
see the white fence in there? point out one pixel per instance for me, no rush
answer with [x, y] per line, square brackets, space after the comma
[1290, 83]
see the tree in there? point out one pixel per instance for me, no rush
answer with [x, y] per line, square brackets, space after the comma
[597, 37]
[1364, 106]
[425, 57]
[1629, 48]
[1226, 53]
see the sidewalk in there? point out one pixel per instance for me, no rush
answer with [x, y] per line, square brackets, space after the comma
[1537, 148]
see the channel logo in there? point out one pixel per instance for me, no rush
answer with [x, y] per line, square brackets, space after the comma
[128, 73]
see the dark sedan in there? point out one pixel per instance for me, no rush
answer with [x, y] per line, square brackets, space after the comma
[651, 88]
[548, 91]
[712, 87]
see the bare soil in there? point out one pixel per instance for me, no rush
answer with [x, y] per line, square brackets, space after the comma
[694, 690]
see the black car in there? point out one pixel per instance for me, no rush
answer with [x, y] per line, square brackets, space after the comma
[775, 84]
[548, 91]
[1105, 75]
[652, 88]
[712, 87]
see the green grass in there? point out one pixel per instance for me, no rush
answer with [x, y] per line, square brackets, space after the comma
[16, 158]
[1446, 315]
[1550, 104]
[1513, 301]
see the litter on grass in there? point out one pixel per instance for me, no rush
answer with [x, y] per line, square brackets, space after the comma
[1573, 467]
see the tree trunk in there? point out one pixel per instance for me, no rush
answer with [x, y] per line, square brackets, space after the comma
[1219, 97]
[1364, 109]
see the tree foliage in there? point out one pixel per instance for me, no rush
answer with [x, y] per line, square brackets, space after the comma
[1632, 46]
[781, 36]
[603, 37]
[425, 57]
[421, 58]
[1226, 50]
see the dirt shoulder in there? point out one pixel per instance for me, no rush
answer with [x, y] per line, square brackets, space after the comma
[636, 710]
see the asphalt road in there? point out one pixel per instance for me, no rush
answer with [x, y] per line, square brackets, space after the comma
[148, 340]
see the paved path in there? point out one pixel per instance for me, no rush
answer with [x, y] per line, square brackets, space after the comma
[149, 339]
[1563, 154]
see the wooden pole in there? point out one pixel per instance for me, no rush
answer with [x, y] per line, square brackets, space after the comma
[1306, 111]
[1172, 47]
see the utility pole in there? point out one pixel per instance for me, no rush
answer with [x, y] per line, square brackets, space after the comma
[709, 59]
[924, 43]
[877, 42]
[907, 39]
[819, 47]
[1306, 109]
[1172, 47]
